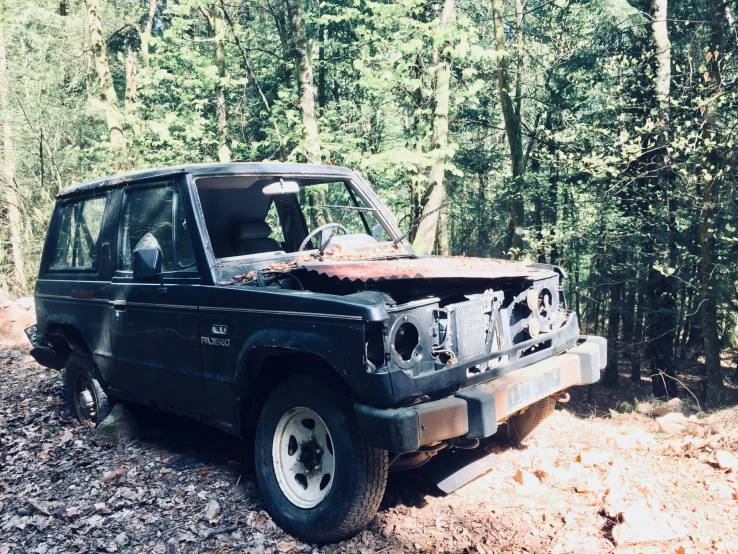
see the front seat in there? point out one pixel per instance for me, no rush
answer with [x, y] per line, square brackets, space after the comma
[253, 238]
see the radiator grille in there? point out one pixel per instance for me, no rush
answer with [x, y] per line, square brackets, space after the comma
[468, 321]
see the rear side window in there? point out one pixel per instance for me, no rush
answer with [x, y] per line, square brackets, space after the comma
[155, 217]
[79, 234]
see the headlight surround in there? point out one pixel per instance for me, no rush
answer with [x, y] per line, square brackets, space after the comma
[406, 342]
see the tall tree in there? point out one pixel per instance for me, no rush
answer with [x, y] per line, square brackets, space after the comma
[511, 114]
[145, 33]
[216, 23]
[661, 282]
[11, 196]
[131, 81]
[105, 80]
[427, 234]
[304, 64]
[713, 171]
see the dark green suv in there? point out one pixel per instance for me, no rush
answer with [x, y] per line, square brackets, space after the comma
[284, 299]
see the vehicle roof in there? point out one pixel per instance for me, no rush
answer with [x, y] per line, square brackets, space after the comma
[211, 169]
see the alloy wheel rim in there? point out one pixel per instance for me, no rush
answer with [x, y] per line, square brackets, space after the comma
[302, 453]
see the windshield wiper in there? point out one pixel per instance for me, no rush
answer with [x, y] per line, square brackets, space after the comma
[417, 220]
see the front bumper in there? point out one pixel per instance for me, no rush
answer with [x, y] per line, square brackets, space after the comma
[474, 412]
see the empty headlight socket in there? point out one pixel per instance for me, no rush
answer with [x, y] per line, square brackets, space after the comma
[406, 329]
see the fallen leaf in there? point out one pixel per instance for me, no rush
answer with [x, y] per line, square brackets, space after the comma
[526, 478]
[726, 460]
[212, 509]
[593, 458]
[285, 546]
[114, 475]
[94, 521]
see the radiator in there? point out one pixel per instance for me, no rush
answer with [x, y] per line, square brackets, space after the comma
[468, 323]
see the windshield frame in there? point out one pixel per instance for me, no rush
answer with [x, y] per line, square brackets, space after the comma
[355, 183]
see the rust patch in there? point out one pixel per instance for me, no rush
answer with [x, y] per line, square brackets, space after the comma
[385, 262]
[331, 254]
[431, 267]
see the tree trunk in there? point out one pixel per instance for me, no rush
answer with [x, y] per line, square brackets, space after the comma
[218, 28]
[662, 293]
[301, 53]
[613, 329]
[511, 115]
[416, 134]
[322, 65]
[104, 79]
[553, 191]
[12, 201]
[538, 206]
[710, 199]
[131, 81]
[146, 33]
[638, 334]
[628, 313]
[427, 229]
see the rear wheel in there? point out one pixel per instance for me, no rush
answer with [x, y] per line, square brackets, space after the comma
[86, 398]
[320, 479]
[523, 424]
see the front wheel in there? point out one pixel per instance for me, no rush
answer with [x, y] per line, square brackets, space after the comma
[320, 479]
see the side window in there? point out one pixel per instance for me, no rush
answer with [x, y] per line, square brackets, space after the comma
[154, 217]
[79, 233]
[272, 219]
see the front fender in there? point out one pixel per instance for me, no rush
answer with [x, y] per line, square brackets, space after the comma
[298, 342]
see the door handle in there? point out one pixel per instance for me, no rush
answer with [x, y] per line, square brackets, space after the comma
[119, 305]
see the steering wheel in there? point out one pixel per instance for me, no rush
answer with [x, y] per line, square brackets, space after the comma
[325, 235]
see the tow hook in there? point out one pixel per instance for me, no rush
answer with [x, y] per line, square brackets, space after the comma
[563, 397]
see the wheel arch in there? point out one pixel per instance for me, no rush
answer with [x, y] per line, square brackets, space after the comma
[264, 367]
[64, 337]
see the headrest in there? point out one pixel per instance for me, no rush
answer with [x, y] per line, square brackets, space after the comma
[250, 230]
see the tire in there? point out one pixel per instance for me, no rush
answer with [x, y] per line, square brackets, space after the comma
[522, 425]
[343, 505]
[80, 376]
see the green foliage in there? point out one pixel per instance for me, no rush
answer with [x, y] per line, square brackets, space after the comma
[597, 139]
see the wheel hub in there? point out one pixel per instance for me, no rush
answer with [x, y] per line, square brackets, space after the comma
[310, 455]
[86, 401]
[302, 454]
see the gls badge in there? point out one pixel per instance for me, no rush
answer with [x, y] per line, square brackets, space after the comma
[210, 341]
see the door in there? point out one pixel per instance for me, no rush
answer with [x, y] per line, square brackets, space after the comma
[154, 327]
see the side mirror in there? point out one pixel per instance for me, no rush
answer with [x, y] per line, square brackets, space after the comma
[146, 263]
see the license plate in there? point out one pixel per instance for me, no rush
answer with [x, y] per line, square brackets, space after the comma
[528, 391]
[32, 334]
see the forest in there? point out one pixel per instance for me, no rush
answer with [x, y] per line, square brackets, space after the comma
[598, 135]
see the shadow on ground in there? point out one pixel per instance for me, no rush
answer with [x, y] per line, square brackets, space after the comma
[194, 445]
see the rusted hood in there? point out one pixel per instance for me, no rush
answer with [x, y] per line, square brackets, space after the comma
[430, 267]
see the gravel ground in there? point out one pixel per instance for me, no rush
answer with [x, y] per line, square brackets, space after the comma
[187, 488]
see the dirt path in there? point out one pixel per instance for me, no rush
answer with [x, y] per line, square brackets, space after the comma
[182, 489]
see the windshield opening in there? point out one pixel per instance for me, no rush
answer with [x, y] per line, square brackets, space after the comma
[247, 215]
